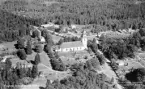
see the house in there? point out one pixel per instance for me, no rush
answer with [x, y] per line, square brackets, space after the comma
[74, 46]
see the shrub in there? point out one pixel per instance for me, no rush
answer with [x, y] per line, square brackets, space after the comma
[21, 54]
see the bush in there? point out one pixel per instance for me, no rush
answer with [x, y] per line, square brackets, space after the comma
[20, 43]
[21, 54]
[137, 75]
[57, 64]
[37, 59]
[38, 48]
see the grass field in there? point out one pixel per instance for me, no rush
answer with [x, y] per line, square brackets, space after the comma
[56, 38]
[10, 46]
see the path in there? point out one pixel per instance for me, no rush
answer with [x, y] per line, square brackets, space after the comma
[111, 74]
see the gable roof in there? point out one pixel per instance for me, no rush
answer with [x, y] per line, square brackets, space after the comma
[71, 44]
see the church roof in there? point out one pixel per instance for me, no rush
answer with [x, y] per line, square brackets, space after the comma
[71, 44]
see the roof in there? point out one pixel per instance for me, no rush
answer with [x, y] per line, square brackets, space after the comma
[71, 44]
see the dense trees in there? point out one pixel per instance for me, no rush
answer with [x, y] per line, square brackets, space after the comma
[137, 75]
[114, 15]
[57, 64]
[20, 43]
[14, 76]
[13, 26]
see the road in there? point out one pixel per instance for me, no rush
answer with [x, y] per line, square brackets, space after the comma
[110, 73]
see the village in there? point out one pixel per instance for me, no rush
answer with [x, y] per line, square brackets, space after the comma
[71, 46]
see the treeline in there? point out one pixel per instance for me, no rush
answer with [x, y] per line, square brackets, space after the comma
[13, 26]
[115, 14]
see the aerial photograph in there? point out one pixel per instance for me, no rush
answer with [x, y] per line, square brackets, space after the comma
[72, 44]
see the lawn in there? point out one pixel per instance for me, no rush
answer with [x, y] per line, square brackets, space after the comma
[43, 57]
[10, 46]
[56, 38]
[72, 57]
[131, 64]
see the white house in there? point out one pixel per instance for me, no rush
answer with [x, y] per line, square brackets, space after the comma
[74, 46]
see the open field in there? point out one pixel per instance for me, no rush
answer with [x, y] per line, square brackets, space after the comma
[10, 46]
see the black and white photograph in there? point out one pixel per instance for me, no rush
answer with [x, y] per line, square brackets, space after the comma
[72, 44]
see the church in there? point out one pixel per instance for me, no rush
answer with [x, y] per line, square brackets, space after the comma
[74, 46]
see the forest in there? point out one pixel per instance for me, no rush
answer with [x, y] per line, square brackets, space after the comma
[113, 13]
[13, 26]
[109, 15]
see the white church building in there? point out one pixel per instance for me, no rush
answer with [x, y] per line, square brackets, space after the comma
[74, 46]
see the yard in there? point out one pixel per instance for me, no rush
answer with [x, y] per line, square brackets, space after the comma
[10, 46]
[131, 64]
[70, 58]
[43, 57]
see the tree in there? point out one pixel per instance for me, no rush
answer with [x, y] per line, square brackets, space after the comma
[21, 72]
[37, 59]
[57, 64]
[8, 64]
[137, 75]
[47, 48]
[22, 54]
[38, 48]
[35, 34]
[101, 59]
[29, 73]
[49, 40]
[34, 71]
[28, 48]
[20, 43]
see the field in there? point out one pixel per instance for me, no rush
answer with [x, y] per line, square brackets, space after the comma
[43, 56]
[10, 46]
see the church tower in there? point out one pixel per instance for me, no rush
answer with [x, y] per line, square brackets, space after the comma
[84, 39]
